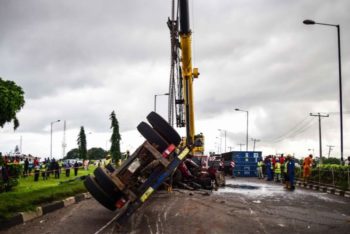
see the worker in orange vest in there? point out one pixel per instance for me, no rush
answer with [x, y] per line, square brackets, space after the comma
[307, 164]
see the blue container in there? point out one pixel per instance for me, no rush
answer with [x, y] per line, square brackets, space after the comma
[245, 162]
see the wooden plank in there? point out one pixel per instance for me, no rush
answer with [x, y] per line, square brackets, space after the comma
[156, 154]
[118, 182]
[128, 161]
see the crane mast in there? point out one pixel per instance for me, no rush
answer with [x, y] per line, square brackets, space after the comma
[182, 75]
[186, 69]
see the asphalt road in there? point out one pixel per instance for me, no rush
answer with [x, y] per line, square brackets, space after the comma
[244, 206]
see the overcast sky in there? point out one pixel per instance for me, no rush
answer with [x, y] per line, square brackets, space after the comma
[80, 60]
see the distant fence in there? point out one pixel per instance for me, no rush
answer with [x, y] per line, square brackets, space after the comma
[330, 174]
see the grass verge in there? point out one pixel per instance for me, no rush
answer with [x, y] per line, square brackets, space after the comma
[29, 194]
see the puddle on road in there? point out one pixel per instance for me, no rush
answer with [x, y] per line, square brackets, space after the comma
[264, 189]
[242, 186]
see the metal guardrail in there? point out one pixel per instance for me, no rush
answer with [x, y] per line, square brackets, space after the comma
[337, 178]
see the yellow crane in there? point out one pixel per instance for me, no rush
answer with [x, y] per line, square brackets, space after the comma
[181, 37]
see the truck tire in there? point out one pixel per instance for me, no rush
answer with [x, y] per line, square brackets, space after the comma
[105, 182]
[163, 128]
[152, 136]
[96, 191]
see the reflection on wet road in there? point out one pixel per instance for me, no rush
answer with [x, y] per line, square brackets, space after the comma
[261, 189]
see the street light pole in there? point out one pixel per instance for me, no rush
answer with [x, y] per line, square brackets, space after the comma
[310, 22]
[247, 125]
[155, 100]
[51, 136]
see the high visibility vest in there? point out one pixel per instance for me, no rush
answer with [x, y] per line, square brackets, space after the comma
[108, 161]
[278, 168]
[260, 164]
[43, 167]
[285, 169]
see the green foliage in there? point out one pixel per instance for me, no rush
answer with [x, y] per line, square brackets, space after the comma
[115, 138]
[13, 202]
[96, 153]
[9, 182]
[11, 101]
[332, 174]
[29, 194]
[73, 154]
[82, 143]
[330, 160]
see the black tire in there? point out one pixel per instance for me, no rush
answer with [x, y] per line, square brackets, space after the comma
[105, 182]
[96, 191]
[152, 136]
[163, 128]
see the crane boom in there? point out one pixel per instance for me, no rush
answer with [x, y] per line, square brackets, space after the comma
[187, 72]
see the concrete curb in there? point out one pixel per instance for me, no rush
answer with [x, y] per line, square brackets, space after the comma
[23, 217]
[324, 189]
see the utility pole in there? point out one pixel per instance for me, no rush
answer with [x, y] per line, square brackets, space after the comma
[64, 144]
[319, 131]
[330, 147]
[240, 146]
[254, 140]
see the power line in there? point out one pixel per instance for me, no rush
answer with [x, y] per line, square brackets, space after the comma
[296, 130]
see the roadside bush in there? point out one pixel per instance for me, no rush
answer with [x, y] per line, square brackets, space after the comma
[332, 174]
[9, 176]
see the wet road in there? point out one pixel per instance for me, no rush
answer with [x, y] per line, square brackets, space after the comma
[243, 206]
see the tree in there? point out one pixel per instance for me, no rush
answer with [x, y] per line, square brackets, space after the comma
[96, 153]
[115, 139]
[11, 101]
[82, 143]
[73, 154]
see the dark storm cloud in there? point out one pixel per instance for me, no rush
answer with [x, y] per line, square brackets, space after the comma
[79, 60]
[47, 45]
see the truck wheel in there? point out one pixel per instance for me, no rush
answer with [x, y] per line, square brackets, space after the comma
[98, 193]
[163, 128]
[105, 182]
[152, 136]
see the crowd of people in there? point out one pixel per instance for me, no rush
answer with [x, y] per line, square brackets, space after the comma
[33, 167]
[278, 169]
[282, 169]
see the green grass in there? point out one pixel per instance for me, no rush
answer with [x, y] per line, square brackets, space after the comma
[29, 194]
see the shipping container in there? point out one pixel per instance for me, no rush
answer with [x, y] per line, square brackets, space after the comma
[245, 163]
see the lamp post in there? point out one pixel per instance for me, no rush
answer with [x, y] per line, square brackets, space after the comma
[155, 100]
[225, 137]
[247, 125]
[51, 137]
[311, 22]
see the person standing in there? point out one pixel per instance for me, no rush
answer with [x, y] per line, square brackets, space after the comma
[26, 168]
[347, 162]
[291, 172]
[269, 168]
[260, 169]
[277, 170]
[285, 172]
[307, 164]
[76, 167]
[36, 173]
[67, 167]
[43, 171]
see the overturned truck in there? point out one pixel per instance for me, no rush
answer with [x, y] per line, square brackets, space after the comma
[152, 165]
